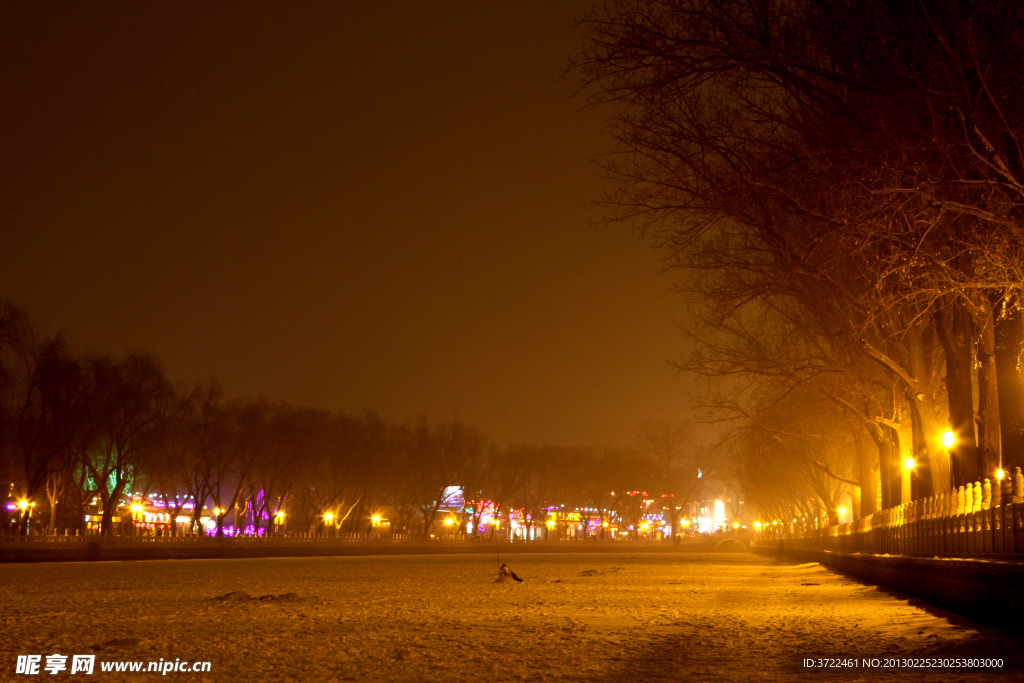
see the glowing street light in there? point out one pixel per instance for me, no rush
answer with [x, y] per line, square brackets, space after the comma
[1000, 474]
[948, 439]
[23, 504]
[376, 520]
[909, 463]
[449, 521]
[328, 518]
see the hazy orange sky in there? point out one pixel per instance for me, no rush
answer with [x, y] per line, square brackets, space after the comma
[353, 206]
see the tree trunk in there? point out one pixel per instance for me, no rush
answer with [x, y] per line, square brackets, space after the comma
[905, 434]
[988, 397]
[866, 474]
[1009, 342]
[54, 492]
[887, 473]
[955, 331]
[917, 376]
[923, 410]
[174, 518]
[673, 517]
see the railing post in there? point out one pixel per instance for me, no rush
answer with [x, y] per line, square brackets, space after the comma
[961, 520]
[987, 512]
[969, 519]
[902, 522]
[997, 517]
[979, 519]
[915, 526]
[914, 505]
[1017, 524]
[933, 505]
[1006, 497]
[950, 539]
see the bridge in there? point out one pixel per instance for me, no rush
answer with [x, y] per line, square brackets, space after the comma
[730, 542]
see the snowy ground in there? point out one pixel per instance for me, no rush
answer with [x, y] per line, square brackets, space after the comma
[643, 617]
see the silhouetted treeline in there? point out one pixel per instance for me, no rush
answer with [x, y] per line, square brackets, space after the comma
[90, 434]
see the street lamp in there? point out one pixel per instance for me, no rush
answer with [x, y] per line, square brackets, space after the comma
[948, 439]
[909, 463]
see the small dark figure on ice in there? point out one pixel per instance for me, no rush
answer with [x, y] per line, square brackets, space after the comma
[504, 574]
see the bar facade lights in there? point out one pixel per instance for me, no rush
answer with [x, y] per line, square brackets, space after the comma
[948, 439]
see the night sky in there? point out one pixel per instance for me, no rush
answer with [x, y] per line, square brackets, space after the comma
[344, 205]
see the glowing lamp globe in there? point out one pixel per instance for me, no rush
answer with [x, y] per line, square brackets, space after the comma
[948, 439]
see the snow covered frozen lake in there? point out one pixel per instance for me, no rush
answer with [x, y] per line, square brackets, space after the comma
[576, 617]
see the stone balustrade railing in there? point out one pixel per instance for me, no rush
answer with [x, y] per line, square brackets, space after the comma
[985, 518]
